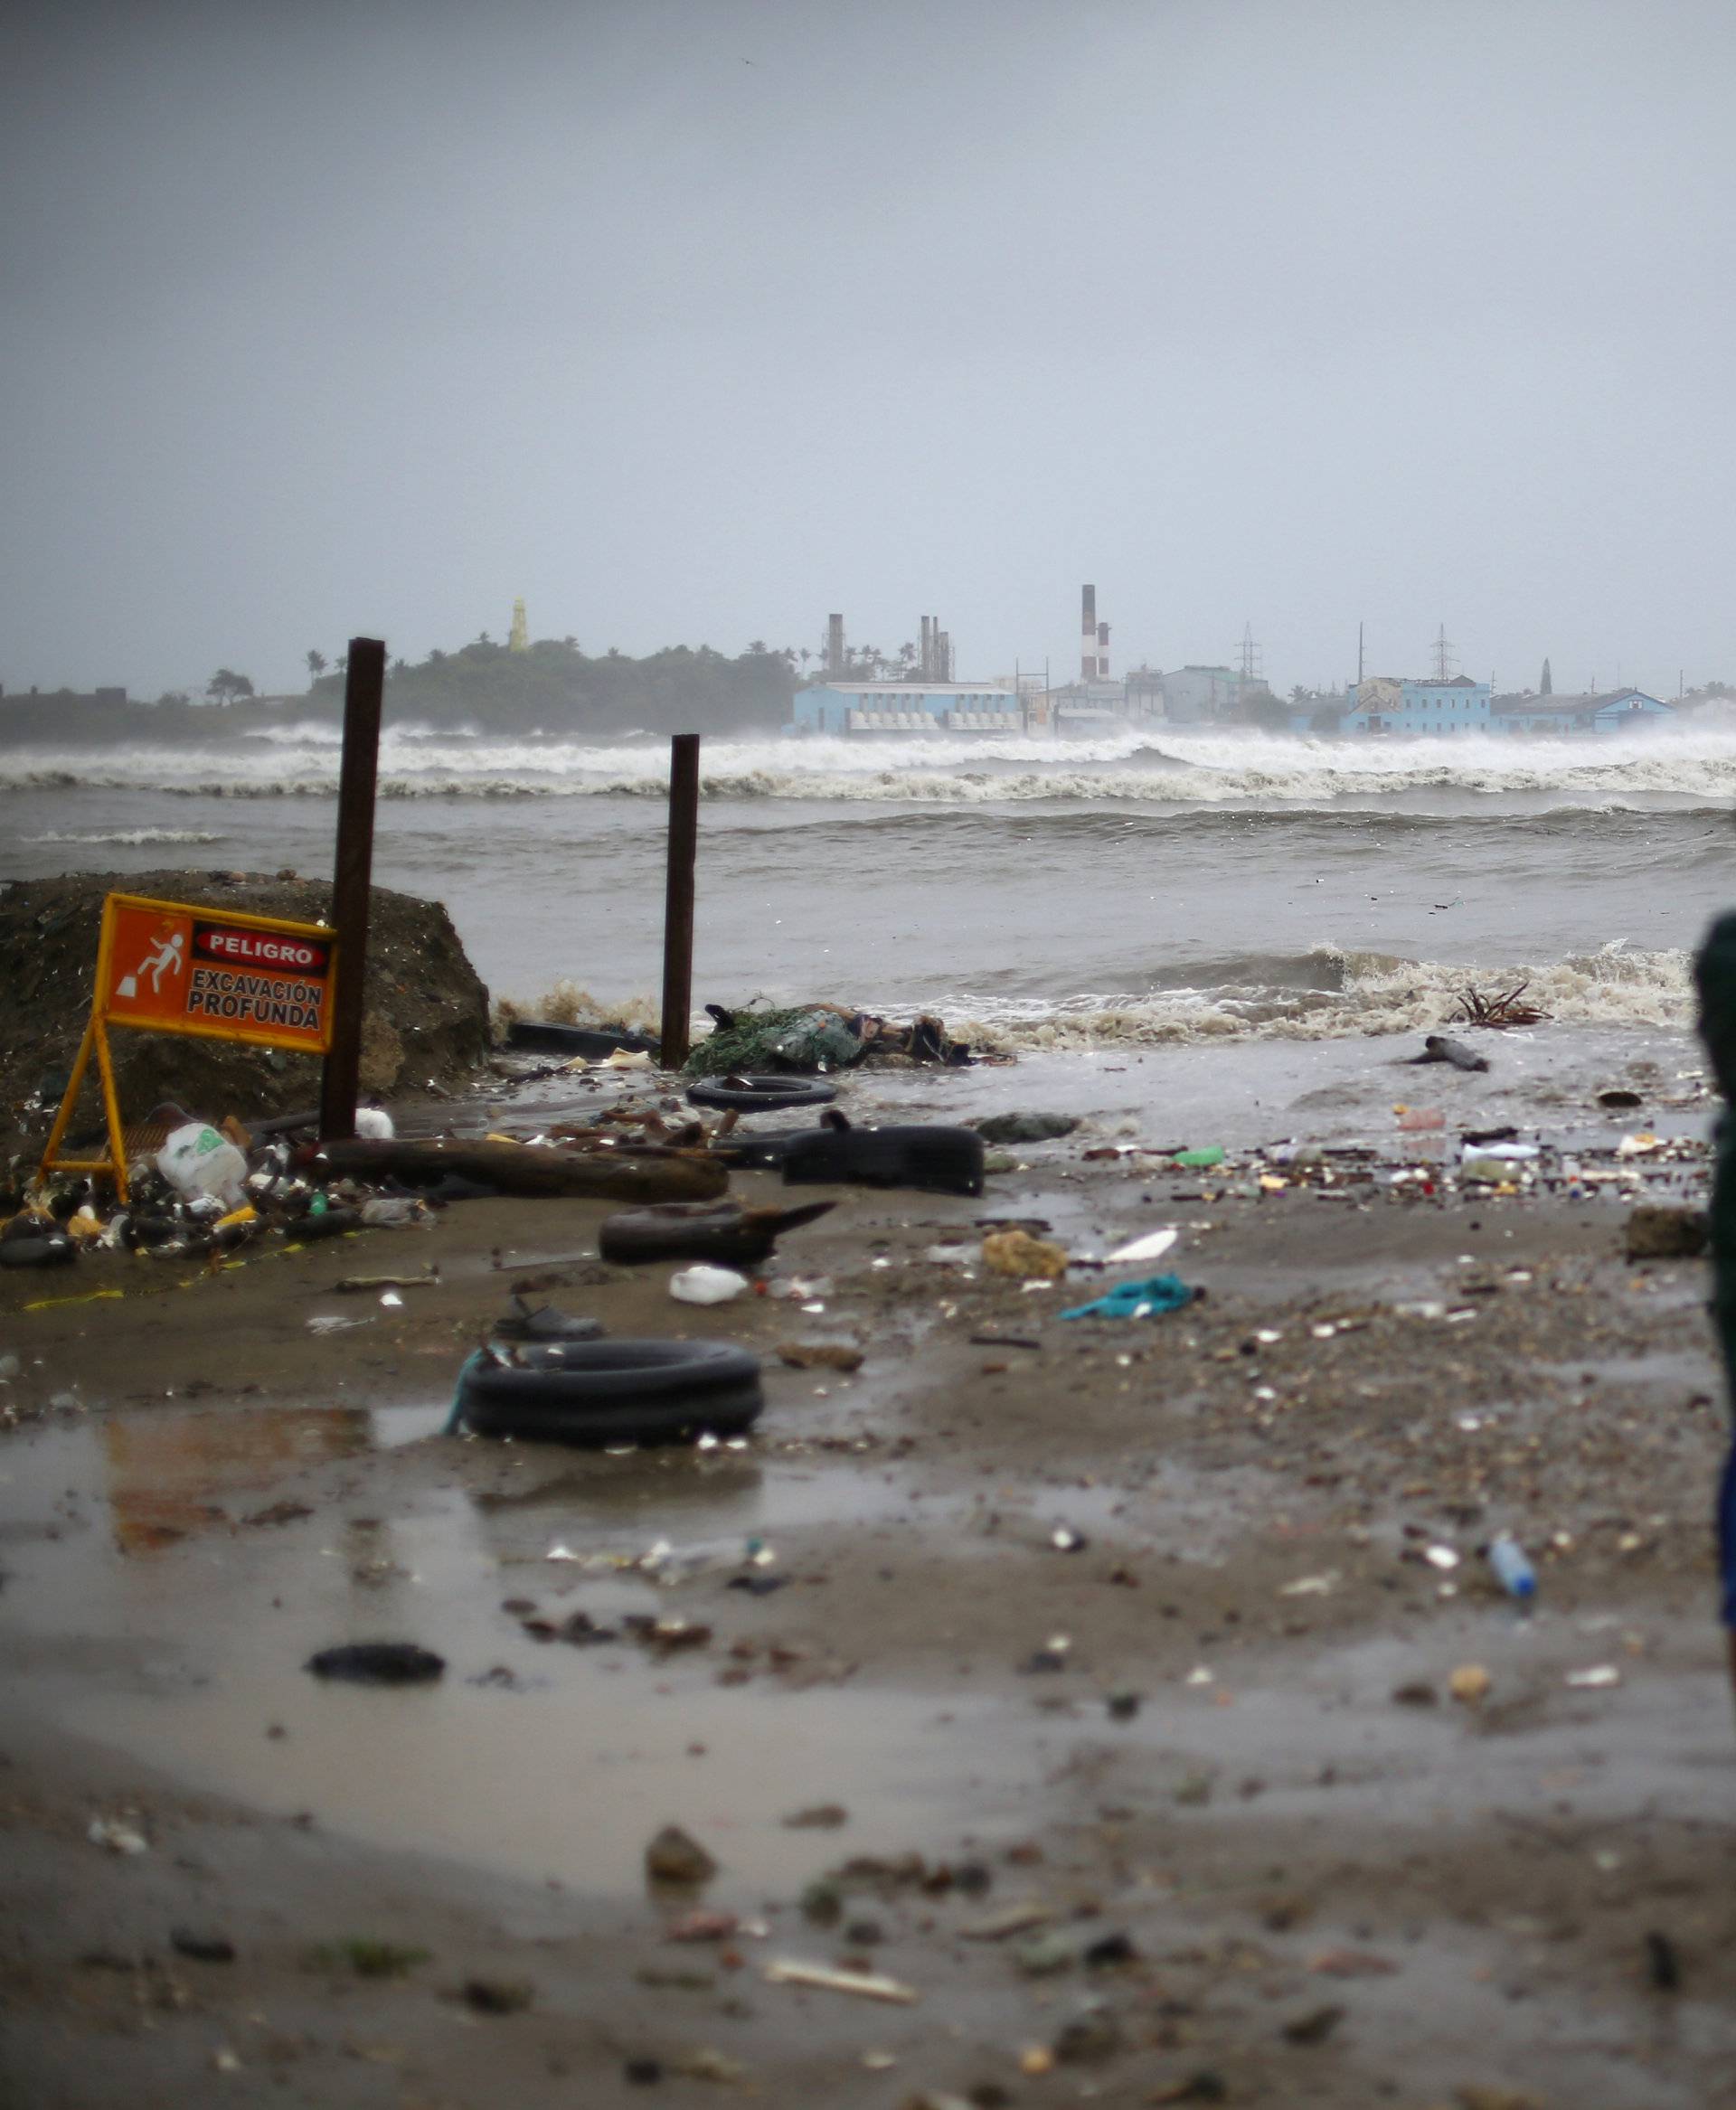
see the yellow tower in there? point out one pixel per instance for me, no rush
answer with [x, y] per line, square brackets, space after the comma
[520, 640]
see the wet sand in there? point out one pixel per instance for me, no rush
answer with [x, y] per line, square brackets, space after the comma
[1489, 1895]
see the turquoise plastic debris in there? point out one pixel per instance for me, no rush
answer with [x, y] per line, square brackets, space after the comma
[1136, 1300]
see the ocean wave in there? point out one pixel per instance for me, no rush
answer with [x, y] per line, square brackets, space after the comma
[1375, 995]
[1327, 992]
[1194, 768]
[133, 838]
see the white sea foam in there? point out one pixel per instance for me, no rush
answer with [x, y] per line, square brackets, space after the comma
[1326, 994]
[1380, 995]
[133, 838]
[1153, 767]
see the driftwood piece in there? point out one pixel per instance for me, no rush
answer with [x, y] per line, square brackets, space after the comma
[729, 1234]
[1475, 1008]
[522, 1169]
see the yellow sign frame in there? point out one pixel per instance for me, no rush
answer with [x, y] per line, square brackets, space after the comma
[95, 1032]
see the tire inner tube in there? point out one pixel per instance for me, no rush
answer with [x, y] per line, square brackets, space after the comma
[764, 1095]
[599, 1393]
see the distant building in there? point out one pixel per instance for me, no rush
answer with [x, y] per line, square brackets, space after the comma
[1615, 710]
[864, 707]
[1384, 704]
[1209, 695]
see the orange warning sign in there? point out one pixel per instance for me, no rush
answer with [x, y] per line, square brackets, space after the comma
[168, 967]
[174, 969]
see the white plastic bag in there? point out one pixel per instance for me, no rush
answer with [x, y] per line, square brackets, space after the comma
[197, 1163]
[705, 1285]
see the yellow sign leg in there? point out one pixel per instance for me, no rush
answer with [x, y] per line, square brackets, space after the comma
[95, 1041]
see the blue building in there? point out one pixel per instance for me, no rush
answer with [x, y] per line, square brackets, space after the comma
[906, 707]
[1614, 710]
[1438, 710]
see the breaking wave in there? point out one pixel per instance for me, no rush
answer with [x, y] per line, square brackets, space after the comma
[134, 838]
[1328, 993]
[1202, 767]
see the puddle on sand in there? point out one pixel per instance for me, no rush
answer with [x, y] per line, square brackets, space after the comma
[135, 1615]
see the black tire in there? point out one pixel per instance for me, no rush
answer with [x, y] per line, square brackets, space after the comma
[939, 1161]
[595, 1044]
[599, 1393]
[760, 1095]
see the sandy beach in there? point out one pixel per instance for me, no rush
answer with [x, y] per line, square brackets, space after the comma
[1108, 1667]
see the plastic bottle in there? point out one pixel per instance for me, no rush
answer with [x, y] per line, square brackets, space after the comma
[1512, 1571]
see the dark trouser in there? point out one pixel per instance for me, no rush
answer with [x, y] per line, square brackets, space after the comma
[1715, 972]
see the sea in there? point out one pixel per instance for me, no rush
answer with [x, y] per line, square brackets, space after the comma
[1276, 904]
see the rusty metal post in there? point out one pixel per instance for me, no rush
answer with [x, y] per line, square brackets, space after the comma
[353, 877]
[678, 906]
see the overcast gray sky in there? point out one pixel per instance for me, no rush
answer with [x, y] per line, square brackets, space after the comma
[690, 320]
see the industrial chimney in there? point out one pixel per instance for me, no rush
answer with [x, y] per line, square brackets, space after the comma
[835, 645]
[1103, 651]
[1088, 633]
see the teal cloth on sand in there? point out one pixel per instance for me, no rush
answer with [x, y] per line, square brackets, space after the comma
[1136, 1300]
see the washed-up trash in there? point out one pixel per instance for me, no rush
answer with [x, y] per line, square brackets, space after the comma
[727, 1235]
[374, 1122]
[202, 1945]
[378, 1662]
[801, 1037]
[115, 1835]
[1510, 1567]
[524, 1169]
[333, 1323]
[707, 1285]
[823, 1978]
[1136, 1300]
[1026, 1127]
[1419, 1120]
[198, 1162]
[1018, 1254]
[1469, 1684]
[1618, 1096]
[519, 1322]
[1598, 1678]
[1041, 1955]
[48, 1247]
[1202, 1160]
[1152, 1247]
[1439, 1047]
[675, 1856]
[1496, 1162]
[395, 1212]
[1657, 1231]
[838, 1355]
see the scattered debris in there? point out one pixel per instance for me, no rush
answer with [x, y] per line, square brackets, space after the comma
[823, 1978]
[838, 1355]
[1665, 1231]
[1469, 1684]
[116, 1836]
[673, 1857]
[1016, 1253]
[378, 1662]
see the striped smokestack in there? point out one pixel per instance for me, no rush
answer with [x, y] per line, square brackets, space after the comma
[1103, 651]
[1088, 633]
